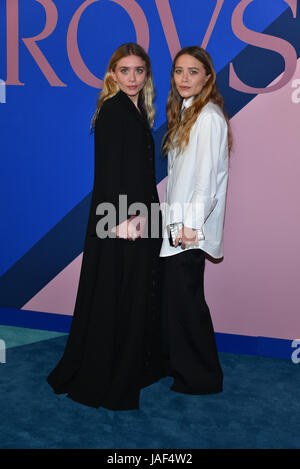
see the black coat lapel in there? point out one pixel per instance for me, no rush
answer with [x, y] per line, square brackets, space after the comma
[140, 116]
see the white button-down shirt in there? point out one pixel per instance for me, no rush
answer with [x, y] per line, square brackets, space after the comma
[197, 183]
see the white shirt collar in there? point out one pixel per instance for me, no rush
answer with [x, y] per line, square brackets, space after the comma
[187, 102]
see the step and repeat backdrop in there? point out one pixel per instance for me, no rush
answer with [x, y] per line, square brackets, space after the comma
[53, 57]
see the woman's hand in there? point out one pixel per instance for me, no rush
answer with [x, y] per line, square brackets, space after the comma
[188, 236]
[130, 229]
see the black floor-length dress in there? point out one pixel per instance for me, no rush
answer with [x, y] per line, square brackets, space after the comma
[114, 345]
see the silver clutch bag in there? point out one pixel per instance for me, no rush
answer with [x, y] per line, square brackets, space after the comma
[173, 230]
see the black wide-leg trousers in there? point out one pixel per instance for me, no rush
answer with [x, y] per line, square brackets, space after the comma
[189, 345]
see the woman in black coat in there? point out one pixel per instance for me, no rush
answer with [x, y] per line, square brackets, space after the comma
[114, 348]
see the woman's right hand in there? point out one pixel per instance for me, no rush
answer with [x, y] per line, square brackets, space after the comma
[126, 230]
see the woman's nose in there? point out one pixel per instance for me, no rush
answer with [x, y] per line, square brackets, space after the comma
[132, 77]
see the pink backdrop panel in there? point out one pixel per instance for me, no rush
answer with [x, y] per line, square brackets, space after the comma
[59, 295]
[255, 289]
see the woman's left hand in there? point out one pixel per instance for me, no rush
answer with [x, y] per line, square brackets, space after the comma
[188, 236]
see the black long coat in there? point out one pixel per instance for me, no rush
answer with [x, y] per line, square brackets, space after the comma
[114, 346]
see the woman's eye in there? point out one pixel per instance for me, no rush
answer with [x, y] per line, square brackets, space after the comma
[140, 70]
[194, 72]
[177, 71]
[123, 70]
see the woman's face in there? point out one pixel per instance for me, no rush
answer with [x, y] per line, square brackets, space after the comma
[130, 74]
[189, 76]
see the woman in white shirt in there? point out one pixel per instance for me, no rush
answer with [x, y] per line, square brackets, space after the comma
[197, 142]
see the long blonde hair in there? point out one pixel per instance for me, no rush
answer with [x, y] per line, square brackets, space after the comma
[110, 87]
[181, 129]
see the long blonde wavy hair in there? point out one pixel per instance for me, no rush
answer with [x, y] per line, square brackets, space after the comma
[110, 87]
[179, 130]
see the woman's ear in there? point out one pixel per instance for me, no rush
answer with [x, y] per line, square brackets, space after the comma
[207, 77]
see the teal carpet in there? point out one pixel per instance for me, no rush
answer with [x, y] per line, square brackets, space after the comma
[259, 407]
